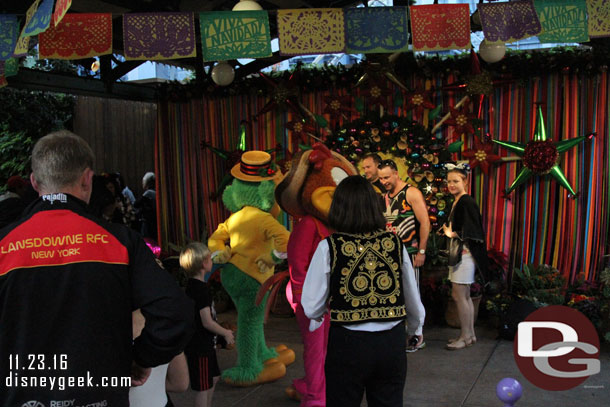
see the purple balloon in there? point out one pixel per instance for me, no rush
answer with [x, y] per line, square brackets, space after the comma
[509, 391]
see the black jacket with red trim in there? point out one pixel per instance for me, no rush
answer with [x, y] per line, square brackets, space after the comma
[68, 284]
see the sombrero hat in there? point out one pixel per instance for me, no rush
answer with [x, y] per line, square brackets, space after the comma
[255, 166]
[288, 192]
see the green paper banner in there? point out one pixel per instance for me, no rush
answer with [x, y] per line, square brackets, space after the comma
[11, 66]
[562, 21]
[234, 34]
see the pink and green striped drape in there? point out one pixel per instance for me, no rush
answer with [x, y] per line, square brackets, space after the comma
[538, 224]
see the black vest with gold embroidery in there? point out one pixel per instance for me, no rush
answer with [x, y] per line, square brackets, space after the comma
[365, 278]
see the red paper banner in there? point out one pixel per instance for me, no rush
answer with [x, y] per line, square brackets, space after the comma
[77, 36]
[61, 8]
[440, 26]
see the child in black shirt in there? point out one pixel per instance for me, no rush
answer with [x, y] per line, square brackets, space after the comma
[204, 373]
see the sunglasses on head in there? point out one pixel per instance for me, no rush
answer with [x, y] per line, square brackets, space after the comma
[387, 163]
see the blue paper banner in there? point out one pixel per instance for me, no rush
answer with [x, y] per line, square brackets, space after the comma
[41, 19]
[376, 29]
[9, 32]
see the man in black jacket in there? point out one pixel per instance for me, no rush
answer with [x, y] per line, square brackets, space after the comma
[68, 284]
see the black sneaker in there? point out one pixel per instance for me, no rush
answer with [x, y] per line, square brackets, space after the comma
[415, 348]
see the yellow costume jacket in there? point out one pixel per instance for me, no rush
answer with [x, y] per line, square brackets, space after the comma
[250, 232]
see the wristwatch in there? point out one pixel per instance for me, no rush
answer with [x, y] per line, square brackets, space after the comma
[422, 251]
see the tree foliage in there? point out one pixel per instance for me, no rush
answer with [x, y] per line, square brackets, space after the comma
[24, 118]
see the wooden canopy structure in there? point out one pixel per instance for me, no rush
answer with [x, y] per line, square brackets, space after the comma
[111, 69]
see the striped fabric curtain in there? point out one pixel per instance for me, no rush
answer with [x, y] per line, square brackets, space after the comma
[538, 223]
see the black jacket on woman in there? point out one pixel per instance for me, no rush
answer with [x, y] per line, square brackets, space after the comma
[466, 221]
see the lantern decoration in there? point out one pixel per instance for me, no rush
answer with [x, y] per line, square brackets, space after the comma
[247, 5]
[223, 74]
[492, 52]
[540, 156]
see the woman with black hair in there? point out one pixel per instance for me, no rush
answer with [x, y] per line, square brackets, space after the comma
[363, 274]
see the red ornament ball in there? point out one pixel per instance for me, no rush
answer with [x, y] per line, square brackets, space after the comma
[540, 156]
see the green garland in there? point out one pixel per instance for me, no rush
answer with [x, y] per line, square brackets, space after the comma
[517, 65]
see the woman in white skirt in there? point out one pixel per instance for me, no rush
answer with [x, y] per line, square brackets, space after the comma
[465, 224]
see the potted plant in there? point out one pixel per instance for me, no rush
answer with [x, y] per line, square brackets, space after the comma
[540, 284]
[593, 300]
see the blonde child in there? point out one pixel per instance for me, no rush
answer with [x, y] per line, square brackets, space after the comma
[204, 373]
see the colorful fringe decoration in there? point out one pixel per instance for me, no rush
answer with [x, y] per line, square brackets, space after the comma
[538, 224]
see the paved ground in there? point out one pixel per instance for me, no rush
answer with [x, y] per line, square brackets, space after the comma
[435, 377]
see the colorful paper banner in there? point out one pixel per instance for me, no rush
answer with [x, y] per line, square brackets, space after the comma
[9, 32]
[311, 31]
[38, 18]
[61, 8]
[599, 18]
[77, 36]
[158, 36]
[440, 26]
[231, 35]
[562, 22]
[391, 33]
[3, 81]
[11, 66]
[509, 21]
[21, 47]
